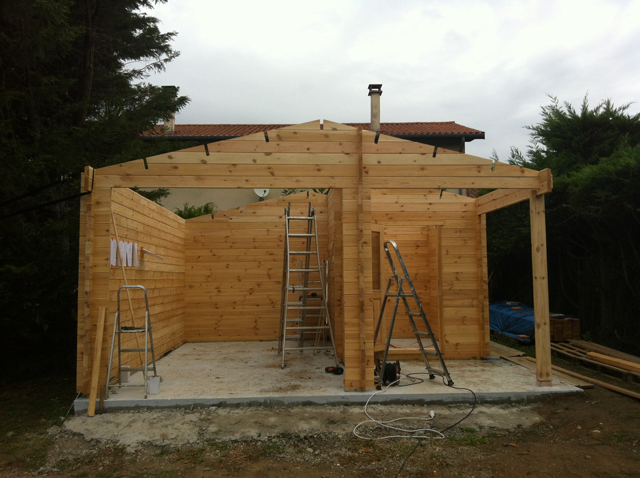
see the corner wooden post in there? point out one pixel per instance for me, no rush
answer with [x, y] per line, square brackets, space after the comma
[85, 282]
[540, 288]
[97, 358]
[358, 302]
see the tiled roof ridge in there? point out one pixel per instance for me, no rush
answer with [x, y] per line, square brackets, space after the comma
[242, 129]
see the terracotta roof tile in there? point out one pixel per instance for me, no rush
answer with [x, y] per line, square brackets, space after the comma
[422, 128]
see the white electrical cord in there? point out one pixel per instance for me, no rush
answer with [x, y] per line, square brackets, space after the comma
[386, 424]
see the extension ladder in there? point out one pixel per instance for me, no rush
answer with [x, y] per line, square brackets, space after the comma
[118, 330]
[400, 294]
[303, 303]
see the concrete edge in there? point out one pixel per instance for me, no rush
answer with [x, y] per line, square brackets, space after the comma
[81, 405]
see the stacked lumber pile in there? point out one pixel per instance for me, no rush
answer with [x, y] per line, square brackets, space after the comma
[586, 352]
[603, 358]
[564, 328]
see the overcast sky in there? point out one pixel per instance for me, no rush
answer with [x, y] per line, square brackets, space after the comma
[485, 64]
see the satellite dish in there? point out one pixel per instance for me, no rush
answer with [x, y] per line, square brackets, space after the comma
[261, 192]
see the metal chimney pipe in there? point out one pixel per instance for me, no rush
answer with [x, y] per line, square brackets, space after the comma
[375, 91]
[170, 121]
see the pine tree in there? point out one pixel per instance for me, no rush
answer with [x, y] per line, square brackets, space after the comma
[593, 220]
[72, 93]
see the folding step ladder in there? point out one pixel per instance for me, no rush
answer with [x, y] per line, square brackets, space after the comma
[400, 281]
[303, 303]
[118, 330]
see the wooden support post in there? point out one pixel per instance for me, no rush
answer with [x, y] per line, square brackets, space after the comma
[85, 292]
[361, 285]
[483, 285]
[97, 356]
[356, 263]
[540, 288]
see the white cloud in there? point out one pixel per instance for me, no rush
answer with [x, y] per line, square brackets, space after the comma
[485, 64]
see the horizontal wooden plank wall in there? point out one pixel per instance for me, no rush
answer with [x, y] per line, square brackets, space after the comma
[409, 214]
[413, 244]
[156, 229]
[161, 232]
[234, 269]
[95, 273]
[434, 271]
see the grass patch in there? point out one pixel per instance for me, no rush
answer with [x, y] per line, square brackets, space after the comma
[618, 437]
[270, 450]
[27, 410]
[470, 440]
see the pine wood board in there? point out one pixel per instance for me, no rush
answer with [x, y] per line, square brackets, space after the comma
[148, 181]
[455, 170]
[620, 363]
[604, 350]
[452, 182]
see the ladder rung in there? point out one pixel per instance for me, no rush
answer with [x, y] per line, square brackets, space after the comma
[424, 334]
[135, 350]
[306, 218]
[319, 327]
[294, 288]
[137, 369]
[302, 235]
[298, 321]
[414, 314]
[302, 252]
[130, 331]
[303, 307]
[313, 269]
[308, 348]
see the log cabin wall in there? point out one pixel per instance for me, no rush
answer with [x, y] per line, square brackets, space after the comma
[161, 232]
[360, 164]
[438, 237]
[234, 268]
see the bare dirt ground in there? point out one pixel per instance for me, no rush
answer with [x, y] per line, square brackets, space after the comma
[593, 434]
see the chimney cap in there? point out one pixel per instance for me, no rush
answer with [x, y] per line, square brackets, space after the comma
[375, 88]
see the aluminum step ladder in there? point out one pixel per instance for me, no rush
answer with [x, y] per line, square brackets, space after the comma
[118, 330]
[304, 315]
[400, 294]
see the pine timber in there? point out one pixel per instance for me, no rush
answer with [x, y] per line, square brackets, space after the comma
[540, 288]
[217, 280]
[593, 381]
[519, 358]
[620, 363]
[591, 346]
[95, 373]
[234, 282]
[84, 277]
[151, 226]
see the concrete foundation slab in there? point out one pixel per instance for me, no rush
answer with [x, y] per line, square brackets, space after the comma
[249, 374]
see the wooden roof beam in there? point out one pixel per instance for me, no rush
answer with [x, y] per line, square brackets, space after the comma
[506, 197]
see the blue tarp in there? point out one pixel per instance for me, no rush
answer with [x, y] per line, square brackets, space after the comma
[505, 320]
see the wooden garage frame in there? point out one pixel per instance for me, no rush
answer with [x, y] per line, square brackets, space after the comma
[358, 166]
